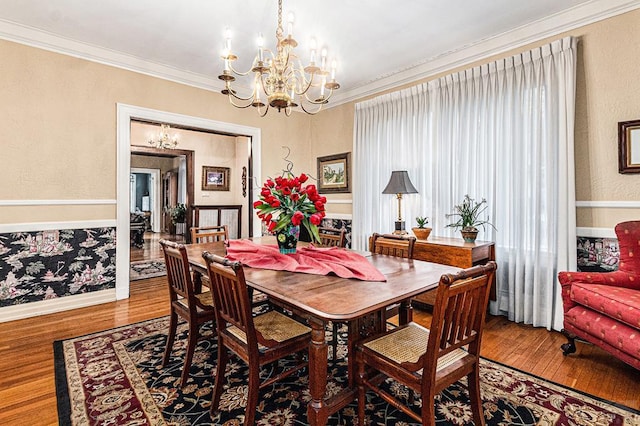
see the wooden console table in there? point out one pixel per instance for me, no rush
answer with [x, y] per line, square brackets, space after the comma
[453, 252]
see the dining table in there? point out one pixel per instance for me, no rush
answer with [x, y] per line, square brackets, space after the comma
[320, 299]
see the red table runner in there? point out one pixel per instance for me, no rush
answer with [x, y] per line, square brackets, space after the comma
[309, 260]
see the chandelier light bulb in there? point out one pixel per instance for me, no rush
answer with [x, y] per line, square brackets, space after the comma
[227, 38]
[290, 19]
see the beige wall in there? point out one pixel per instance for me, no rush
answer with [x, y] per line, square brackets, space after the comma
[58, 117]
[608, 91]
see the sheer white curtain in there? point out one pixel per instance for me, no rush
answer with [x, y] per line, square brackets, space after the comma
[502, 131]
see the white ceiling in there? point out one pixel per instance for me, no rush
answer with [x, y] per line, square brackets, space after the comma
[377, 45]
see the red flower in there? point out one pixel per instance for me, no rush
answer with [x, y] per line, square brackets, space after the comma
[303, 178]
[275, 203]
[297, 217]
[272, 226]
[257, 204]
[316, 219]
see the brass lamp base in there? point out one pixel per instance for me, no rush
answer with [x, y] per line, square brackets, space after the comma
[400, 228]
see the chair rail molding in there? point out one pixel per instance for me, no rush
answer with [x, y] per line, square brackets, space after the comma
[50, 226]
[79, 202]
[608, 204]
[595, 232]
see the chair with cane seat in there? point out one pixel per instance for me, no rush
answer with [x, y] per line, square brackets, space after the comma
[209, 234]
[196, 309]
[258, 340]
[429, 360]
[332, 237]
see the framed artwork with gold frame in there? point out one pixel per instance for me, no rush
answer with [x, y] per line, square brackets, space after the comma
[629, 146]
[334, 173]
[215, 178]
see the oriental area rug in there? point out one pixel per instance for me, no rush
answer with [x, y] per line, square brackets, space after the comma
[143, 269]
[115, 377]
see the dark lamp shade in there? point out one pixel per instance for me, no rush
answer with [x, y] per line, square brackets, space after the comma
[400, 184]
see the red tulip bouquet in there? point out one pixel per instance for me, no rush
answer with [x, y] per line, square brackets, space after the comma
[285, 203]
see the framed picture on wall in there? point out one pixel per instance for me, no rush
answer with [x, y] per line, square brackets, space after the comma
[334, 173]
[629, 146]
[215, 178]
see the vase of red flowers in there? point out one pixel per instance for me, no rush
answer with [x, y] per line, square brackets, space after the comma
[285, 204]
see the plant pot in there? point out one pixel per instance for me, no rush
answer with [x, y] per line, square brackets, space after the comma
[421, 233]
[288, 239]
[469, 235]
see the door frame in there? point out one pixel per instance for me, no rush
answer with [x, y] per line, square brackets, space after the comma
[155, 195]
[127, 113]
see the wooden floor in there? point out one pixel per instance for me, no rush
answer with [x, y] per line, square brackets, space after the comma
[27, 391]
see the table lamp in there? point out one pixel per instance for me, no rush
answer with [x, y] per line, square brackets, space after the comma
[399, 184]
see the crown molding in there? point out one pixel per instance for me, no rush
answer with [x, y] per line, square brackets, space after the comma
[33, 37]
[568, 20]
[575, 17]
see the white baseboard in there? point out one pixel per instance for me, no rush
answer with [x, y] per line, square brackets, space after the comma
[28, 310]
[608, 204]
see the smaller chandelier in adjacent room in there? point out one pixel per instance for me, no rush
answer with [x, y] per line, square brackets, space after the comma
[279, 78]
[163, 140]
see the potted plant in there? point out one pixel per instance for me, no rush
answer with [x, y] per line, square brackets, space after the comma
[468, 217]
[178, 214]
[421, 232]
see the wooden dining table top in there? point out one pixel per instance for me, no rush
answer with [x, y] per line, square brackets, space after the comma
[332, 298]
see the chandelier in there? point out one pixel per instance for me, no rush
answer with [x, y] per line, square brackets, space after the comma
[163, 140]
[279, 78]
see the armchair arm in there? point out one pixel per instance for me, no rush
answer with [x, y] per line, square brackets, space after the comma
[613, 279]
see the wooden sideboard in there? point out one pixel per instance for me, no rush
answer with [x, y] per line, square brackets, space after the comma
[454, 252]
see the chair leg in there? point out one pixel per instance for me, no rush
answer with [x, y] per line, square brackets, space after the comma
[362, 391]
[223, 357]
[252, 397]
[191, 347]
[334, 343]
[570, 346]
[473, 382]
[428, 412]
[173, 323]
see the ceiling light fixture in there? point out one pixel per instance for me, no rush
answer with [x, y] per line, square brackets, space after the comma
[280, 77]
[163, 140]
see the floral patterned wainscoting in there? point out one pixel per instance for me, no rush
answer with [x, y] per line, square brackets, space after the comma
[339, 224]
[43, 265]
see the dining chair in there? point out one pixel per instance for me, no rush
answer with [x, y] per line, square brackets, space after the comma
[258, 340]
[195, 308]
[392, 245]
[429, 360]
[332, 237]
[209, 234]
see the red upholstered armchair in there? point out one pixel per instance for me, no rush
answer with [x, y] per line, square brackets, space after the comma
[604, 308]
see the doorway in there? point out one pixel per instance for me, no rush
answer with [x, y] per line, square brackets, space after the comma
[145, 196]
[127, 113]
